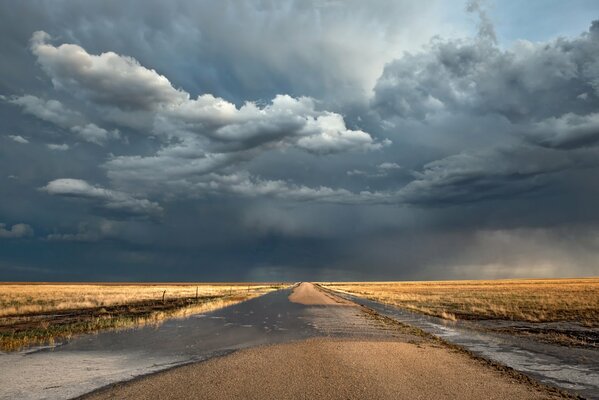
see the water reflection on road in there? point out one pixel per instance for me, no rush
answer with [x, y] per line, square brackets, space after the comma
[93, 361]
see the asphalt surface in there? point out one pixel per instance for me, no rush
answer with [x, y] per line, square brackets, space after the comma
[93, 361]
[260, 328]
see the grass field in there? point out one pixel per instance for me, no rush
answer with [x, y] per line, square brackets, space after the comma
[531, 300]
[32, 314]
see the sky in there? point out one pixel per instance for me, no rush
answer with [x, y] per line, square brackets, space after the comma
[289, 140]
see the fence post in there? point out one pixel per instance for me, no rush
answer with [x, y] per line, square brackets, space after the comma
[163, 293]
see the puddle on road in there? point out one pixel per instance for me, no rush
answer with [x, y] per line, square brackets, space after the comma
[571, 368]
[93, 361]
[62, 375]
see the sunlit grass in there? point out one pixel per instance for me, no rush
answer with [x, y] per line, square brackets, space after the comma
[35, 314]
[18, 299]
[574, 300]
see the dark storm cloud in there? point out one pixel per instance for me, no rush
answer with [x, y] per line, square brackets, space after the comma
[547, 92]
[291, 140]
[480, 175]
[568, 131]
[525, 83]
[237, 50]
[484, 253]
[93, 231]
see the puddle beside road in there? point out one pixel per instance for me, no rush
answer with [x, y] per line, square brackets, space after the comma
[571, 368]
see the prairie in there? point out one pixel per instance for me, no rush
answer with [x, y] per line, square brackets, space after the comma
[33, 314]
[546, 300]
[535, 301]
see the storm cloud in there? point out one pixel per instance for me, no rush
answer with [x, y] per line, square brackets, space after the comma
[313, 140]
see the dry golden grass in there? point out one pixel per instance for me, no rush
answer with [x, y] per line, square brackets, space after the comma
[42, 313]
[19, 299]
[533, 300]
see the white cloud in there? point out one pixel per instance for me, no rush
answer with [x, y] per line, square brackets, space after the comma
[16, 231]
[389, 166]
[127, 89]
[285, 121]
[331, 136]
[382, 170]
[48, 110]
[19, 139]
[107, 78]
[181, 162]
[245, 185]
[357, 172]
[55, 112]
[94, 134]
[59, 147]
[110, 200]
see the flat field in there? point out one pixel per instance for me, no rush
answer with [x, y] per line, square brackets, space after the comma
[532, 300]
[33, 313]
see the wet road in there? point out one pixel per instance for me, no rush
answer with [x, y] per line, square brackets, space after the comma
[93, 361]
[570, 368]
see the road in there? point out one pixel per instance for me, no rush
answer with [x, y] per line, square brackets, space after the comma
[300, 343]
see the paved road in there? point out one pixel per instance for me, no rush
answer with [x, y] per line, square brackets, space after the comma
[94, 361]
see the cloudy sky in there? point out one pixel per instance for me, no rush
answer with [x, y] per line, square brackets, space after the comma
[298, 140]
